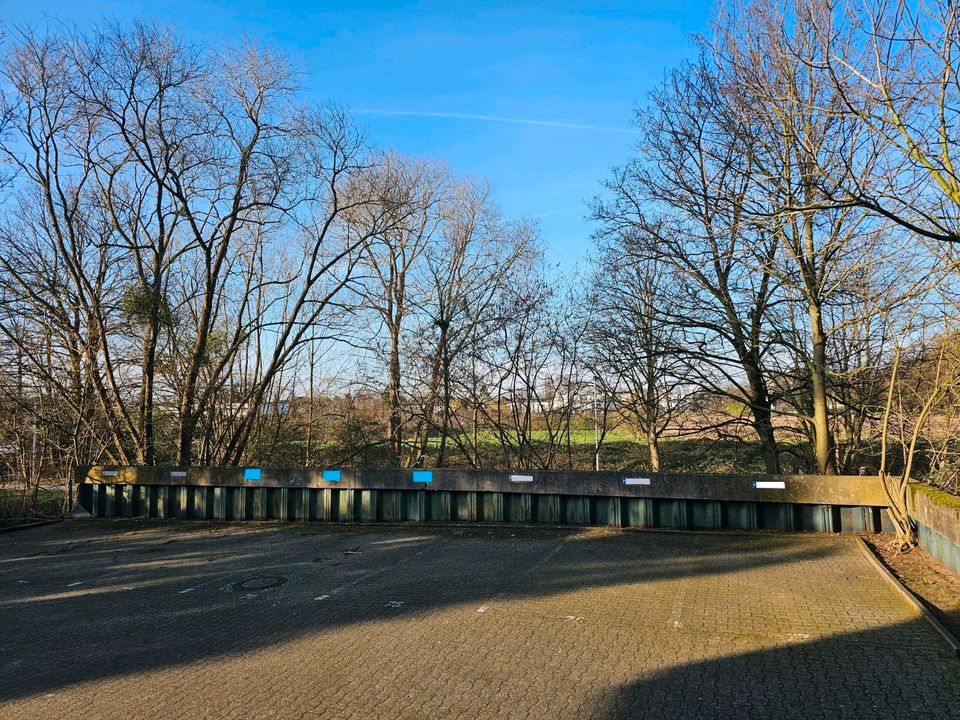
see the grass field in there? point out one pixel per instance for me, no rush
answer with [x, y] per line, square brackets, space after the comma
[623, 451]
[620, 450]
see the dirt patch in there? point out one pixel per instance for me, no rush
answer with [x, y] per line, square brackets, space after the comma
[936, 586]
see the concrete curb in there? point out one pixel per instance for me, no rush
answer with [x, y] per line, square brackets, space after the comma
[912, 599]
[27, 526]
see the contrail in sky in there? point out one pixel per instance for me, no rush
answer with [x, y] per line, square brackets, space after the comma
[557, 212]
[548, 213]
[495, 118]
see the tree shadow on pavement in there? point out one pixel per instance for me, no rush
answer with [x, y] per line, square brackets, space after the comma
[105, 599]
[878, 673]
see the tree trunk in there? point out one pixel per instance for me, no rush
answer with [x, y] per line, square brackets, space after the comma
[762, 411]
[896, 490]
[653, 447]
[188, 429]
[396, 439]
[476, 450]
[148, 456]
[310, 413]
[763, 426]
[822, 441]
[435, 373]
[445, 406]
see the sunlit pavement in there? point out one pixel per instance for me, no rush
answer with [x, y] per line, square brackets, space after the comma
[120, 619]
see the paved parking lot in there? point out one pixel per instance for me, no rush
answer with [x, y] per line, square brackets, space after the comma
[120, 619]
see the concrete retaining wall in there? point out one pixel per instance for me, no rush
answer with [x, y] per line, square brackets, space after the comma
[787, 503]
[937, 515]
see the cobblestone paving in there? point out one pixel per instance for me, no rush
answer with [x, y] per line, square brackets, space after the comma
[118, 619]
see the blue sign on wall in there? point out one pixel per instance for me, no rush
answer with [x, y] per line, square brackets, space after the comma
[422, 476]
[331, 475]
[252, 474]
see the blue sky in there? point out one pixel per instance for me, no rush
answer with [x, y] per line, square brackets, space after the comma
[581, 66]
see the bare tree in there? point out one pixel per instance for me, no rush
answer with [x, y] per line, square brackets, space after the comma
[893, 66]
[533, 382]
[475, 257]
[804, 145]
[635, 344]
[157, 185]
[409, 193]
[918, 386]
[685, 194]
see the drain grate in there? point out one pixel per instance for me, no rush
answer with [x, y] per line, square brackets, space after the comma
[261, 582]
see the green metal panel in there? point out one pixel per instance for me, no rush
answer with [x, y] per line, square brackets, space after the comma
[258, 503]
[303, 501]
[140, 501]
[939, 546]
[814, 518]
[638, 512]
[151, 499]
[179, 503]
[416, 502]
[670, 513]
[775, 516]
[520, 507]
[125, 500]
[788, 517]
[199, 503]
[739, 515]
[85, 496]
[465, 506]
[100, 501]
[391, 505]
[546, 509]
[276, 503]
[94, 506]
[220, 503]
[162, 501]
[440, 506]
[705, 514]
[347, 506]
[291, 499]
[606, 511]
[368, 505]
[238, 503]
[576, 509]
[323, 505]
[855, 519]
[109, 500]
[491, 507]
[886, 524]
[876, 518]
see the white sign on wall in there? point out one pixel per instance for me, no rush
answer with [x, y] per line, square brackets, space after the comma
[770, 485]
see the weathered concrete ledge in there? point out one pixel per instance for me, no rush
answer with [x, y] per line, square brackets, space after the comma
[864, 490]
[742, 502]
[937, 515]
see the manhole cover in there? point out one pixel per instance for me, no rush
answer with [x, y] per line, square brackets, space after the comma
[264, 582]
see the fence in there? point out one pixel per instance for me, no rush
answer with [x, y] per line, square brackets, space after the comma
[741, 502]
